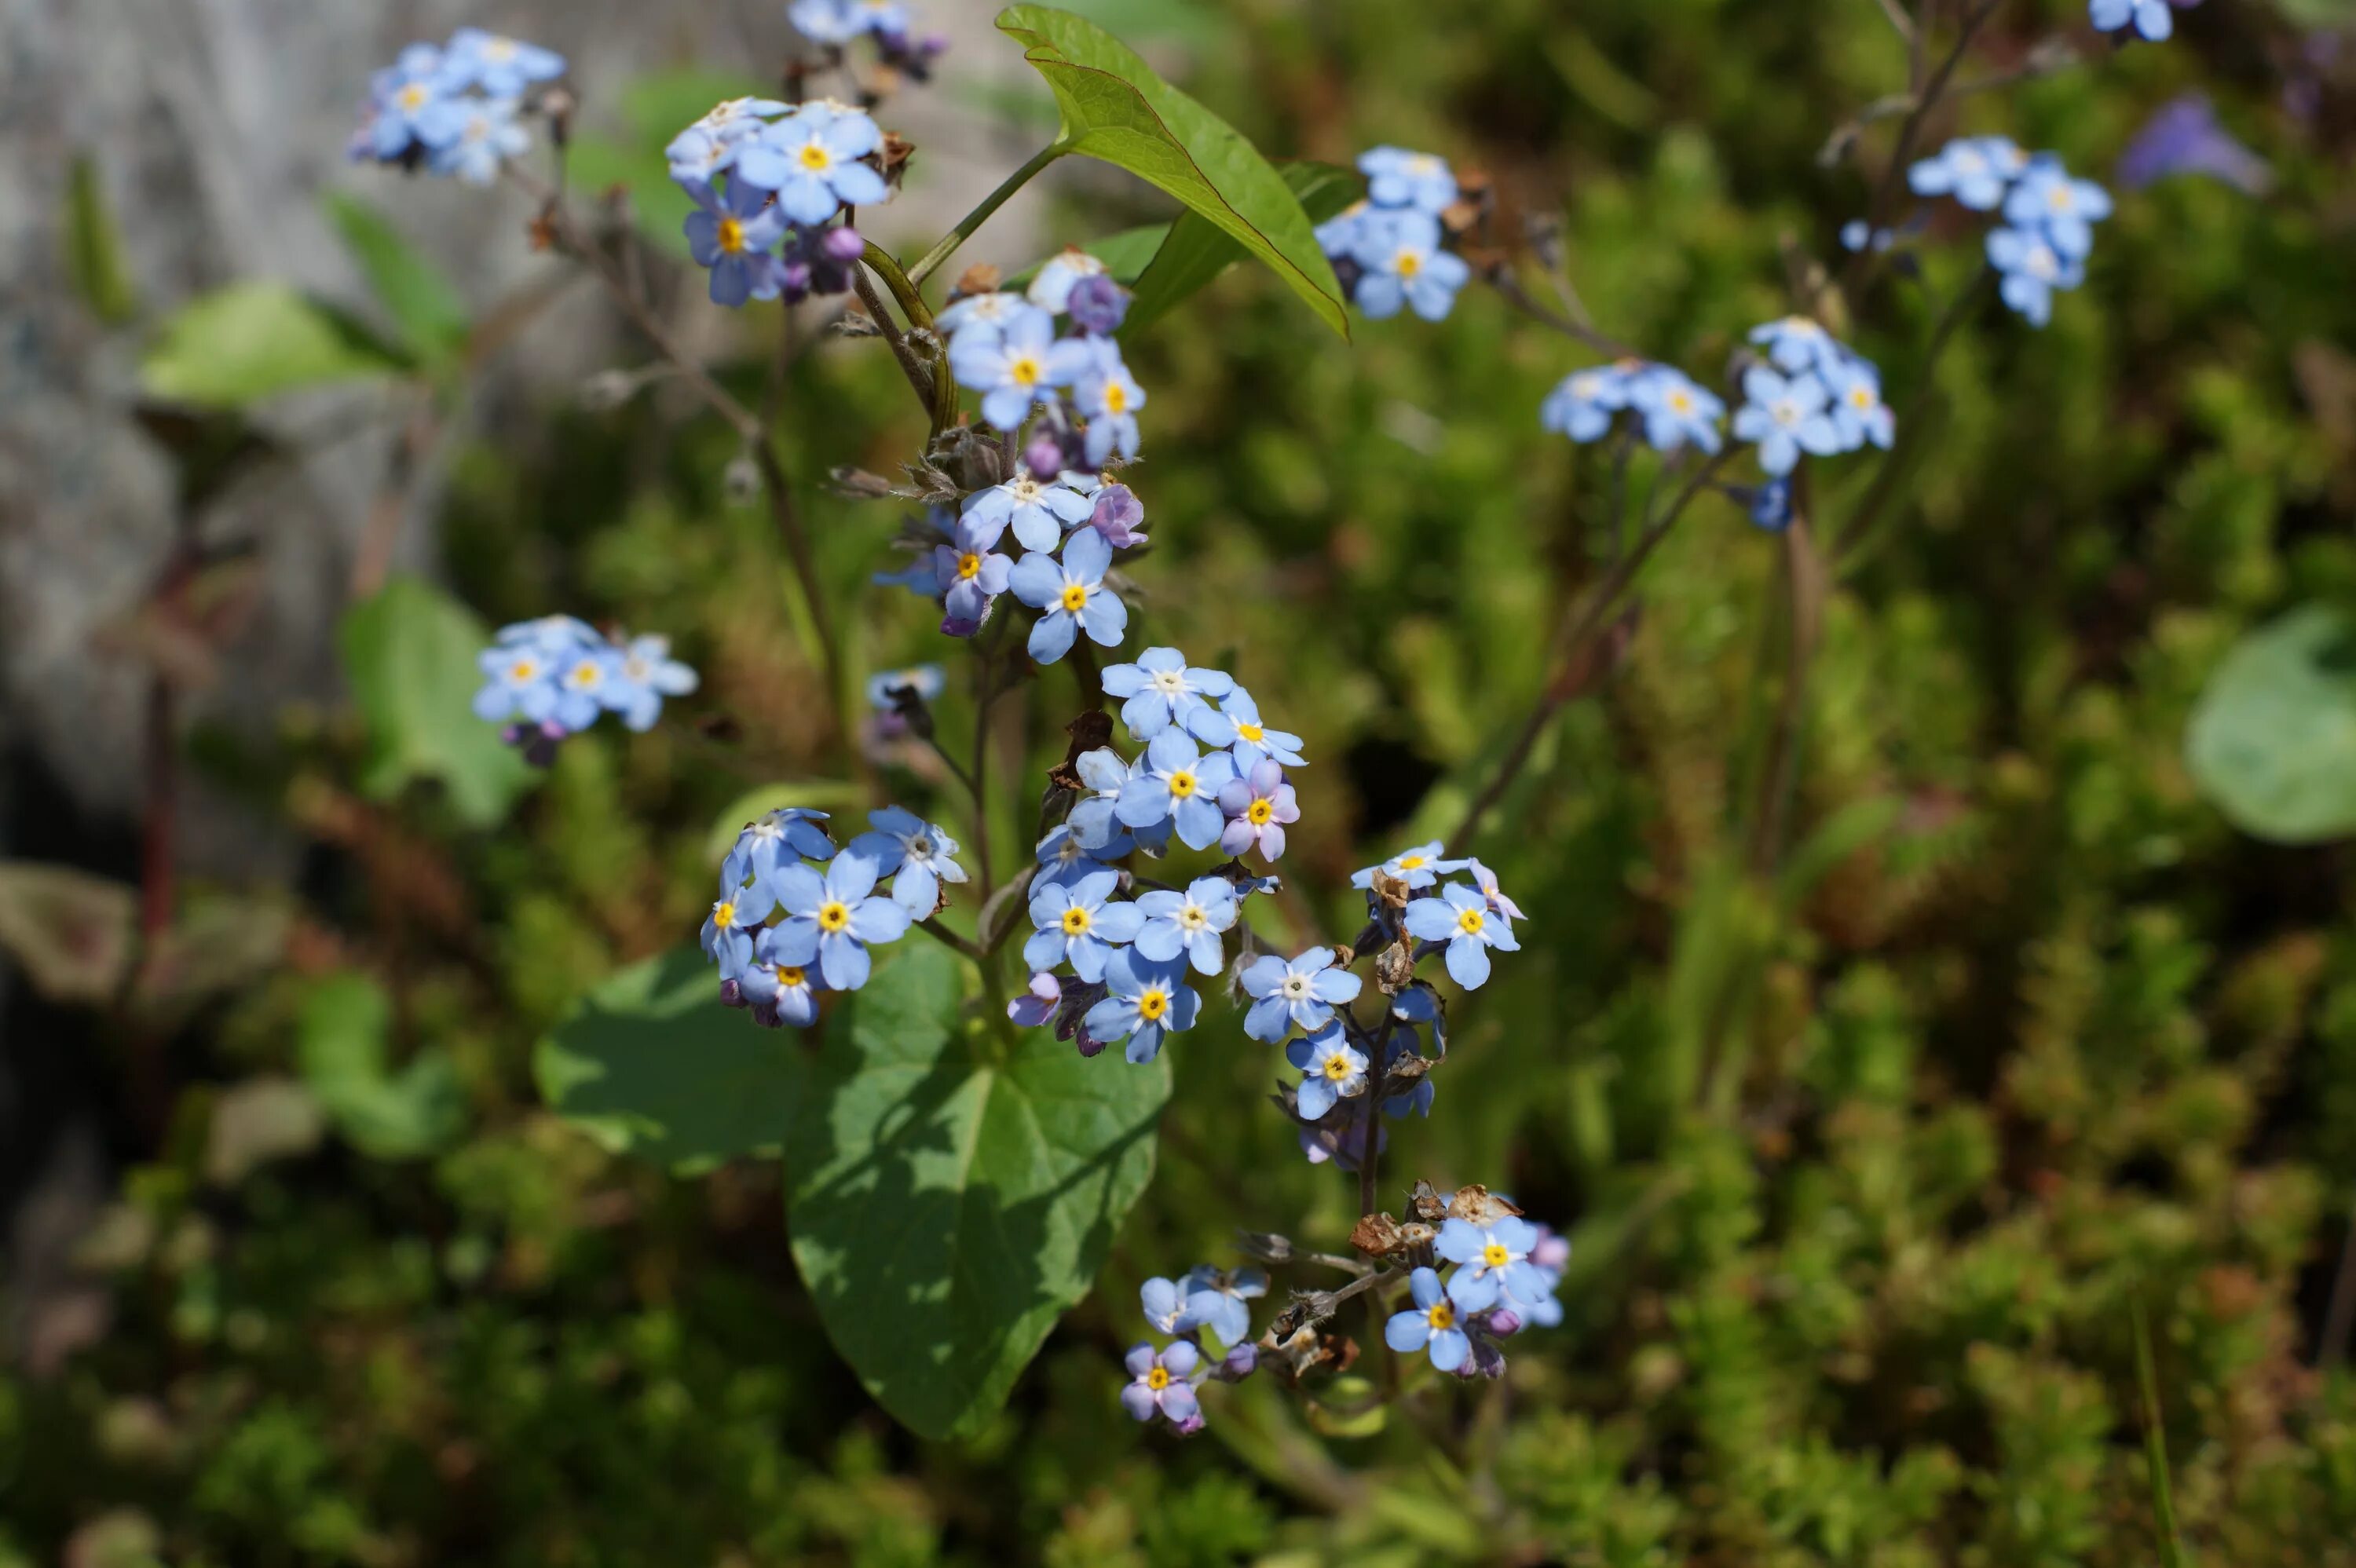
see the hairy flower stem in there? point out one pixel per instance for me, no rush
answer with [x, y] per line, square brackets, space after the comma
[1509, 289]
[930, 261]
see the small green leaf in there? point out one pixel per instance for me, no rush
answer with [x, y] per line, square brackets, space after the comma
[949, 1205]
[1197, 251]
[94, 247]
[343, 1040]
[2273, 740]
[1115, 109]
[423, 303]
[252, 341]
[410, 655]
[651, 1064]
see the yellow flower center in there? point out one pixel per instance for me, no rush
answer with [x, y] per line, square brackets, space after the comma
[790, 978]
[1076, 921]
[1409, 263]
[414, 96]
[498, 48]
[522, 669]
[1182, 787]
[1861, 397]
[1494, 1256]
[1470, 920]
[816, 158]
[1153, 1005]
[1259, 811]
[1410, 862]
[1024, 370]
[1337, 1067]
[832, 916]
[723, 915]
[1116, 397]
[1680, 402]
[1076, 597]
[1800, 324]
[1251, 732]
[732, 235]
[1195, 917]
[588, 673]
[2059, 198]
[969, 565]
[1441, 1314]
[1158, 1379]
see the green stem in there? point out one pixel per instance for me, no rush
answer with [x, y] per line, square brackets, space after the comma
[930, 262]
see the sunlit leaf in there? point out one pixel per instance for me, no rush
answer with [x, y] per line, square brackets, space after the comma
[423, 303]
[1195, 252]
[256, 340]
[344, 1044]
[409, 653]
[2273, 740]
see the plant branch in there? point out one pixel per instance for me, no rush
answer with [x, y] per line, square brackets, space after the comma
[1893, 178]
[930, 261]
[1509, 288]
[949, 938]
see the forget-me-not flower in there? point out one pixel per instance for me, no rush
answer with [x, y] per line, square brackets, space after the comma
[1253, 743]
[789, 989]
[645, 674]
[833, 918]
[488, 135]
[1073, 595]
[1302, 994]
[1216, 1299]
[1486, 879]
[2067, 207]
[782, 836]
[971, 574]
[1051, 286]
[1397, 177]
[1860, 415]
[1181, 784]
[1975, 170]
[811, 161]
[1170, 1306]
[915, 854]
[1331, 1070]
[1010, 365]
[1785, 415]
[2154, 19]
[728, 931]
[2031, 269]
[1160, 690]
[500, 67]
[1077, 923]
[732, 235]
[521, 682]
[1091, 820]
[1064, 862]
[1429, 1324]
[1189, 924]
[1582, 404]
[1418, 868]
[1040, 513]
[996, 310]
[1148, 1002]
[1258, 807]
[1108, 396]
[1675, 410]
[1405, 265]
[1158, 1384]
[1797, 343]
[1490, 1259]
[1462, 918]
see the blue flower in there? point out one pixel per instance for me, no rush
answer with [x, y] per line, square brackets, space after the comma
[728, 931]
[1258, 808]
[410, 105]
[1582, 404]
[993, 311]
[1859, 413]
[1486, 879]
[1405, 265]
[554, 635]
[1169, 1306]
[1254, 743]
[915, 854]
[1338, 235]
[823, 21]
[780, 838]
[1108, 396]
[488, 135]
[2184, 137]
[1159, 690]
[1298, 994]
[1216, 1300]
[1037, 1003]
[734, 119]
[927, 681]
[1975, 170]
[1770, 506]
[1189, 924]
[811, 161]
[1460, 917]
[1430, 1324]
[1064, 861]
[583, 682]
[1331, 1070]
[1490, 1259]
[697, 156]
[646, 675]
[1857, 234]
[1098, 305]
[1149, 1002]
[2032, 268]
[1040, 513]
[2152, 18]
[1010, 365]
[832, 919]
[1675, 410]
[789, 990]
[1078, 925]
[732, 235]
[1418, 868]
[1786, 416]
[969, 575]
[1796, 343]
[1158, 1384]
[521, 679]
[1397, 177]
[2069, 209]
[501, 67]
[1073, 595]
[1181, 784]
[1051, 286]
[1091, 821]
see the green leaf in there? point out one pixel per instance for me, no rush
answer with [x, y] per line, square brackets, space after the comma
[1197, 251]
[650, 1064]
[2273, 738]
[947, 1205]
[343, 1044]
[239, 346]
[94, 247]
[409, 653]
[423, 303]
[1115, 109]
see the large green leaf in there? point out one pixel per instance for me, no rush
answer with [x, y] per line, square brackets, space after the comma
[949, 1204]
[252, 341]
[343, 1042]
[422, 301]
[2273, 740]
[1116, 109]
[410, 655]
[649, 1062]
[1197, 251]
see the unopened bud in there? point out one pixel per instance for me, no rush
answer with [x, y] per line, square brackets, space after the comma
[742, 480]
[1505, 1323]
[1043, 456]
[607, 390]
[844, 243]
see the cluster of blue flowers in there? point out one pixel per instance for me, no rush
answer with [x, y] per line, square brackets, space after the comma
[890, 24]
[1163, 1381]
[456, 108]
[549, 679]
[1388, 250]
[2048, 216]
[768, 178]
[1663, 403]
[796, 917]
[1005, 347]
[1505, 1271]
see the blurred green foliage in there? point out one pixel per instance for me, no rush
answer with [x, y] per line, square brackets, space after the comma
[1866, 1166]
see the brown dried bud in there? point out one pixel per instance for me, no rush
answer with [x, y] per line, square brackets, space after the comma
[982, 278]
[897, 151]
[1376, 1235]
[1395, 968]
[858, 485]
[1391, 891]
[1477, 1205]
[1089, 731]
[1406, 1072]
[1426, 1204]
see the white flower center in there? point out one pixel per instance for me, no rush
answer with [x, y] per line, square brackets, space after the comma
[1296, 986]
[1170, 682]
[1193, 917]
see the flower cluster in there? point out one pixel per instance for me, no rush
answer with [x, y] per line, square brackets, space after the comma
[456, 108]
[2152, 19]
[1163, 1381]
[549, 679]
[1388, 250]
[795, 916]
[838, 24]
[1129, 957]
[2048, 216]
[1662, 402]
[1815, 395]
[768, 178]
[1504, 1273]
[1005, 347]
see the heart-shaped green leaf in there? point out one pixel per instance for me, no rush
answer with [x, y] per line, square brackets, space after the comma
[410, 655]
[1195, 252]
[1116, 109]
[420, 299]
[252, 341]
[652, 1063]
[2273, 740]
[949, 1204]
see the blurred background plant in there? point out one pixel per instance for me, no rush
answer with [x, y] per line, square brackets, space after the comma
[2047, 1017]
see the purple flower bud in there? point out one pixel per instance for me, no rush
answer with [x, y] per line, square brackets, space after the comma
[732, 995]
[1240, 1363]
[1505, 1323]
[1044, 457]
[844, 244]
[766, 1015]
[1188, 1427]
[1118, 513]
[957, 626]
[1098, 305]
[1037, 1005]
